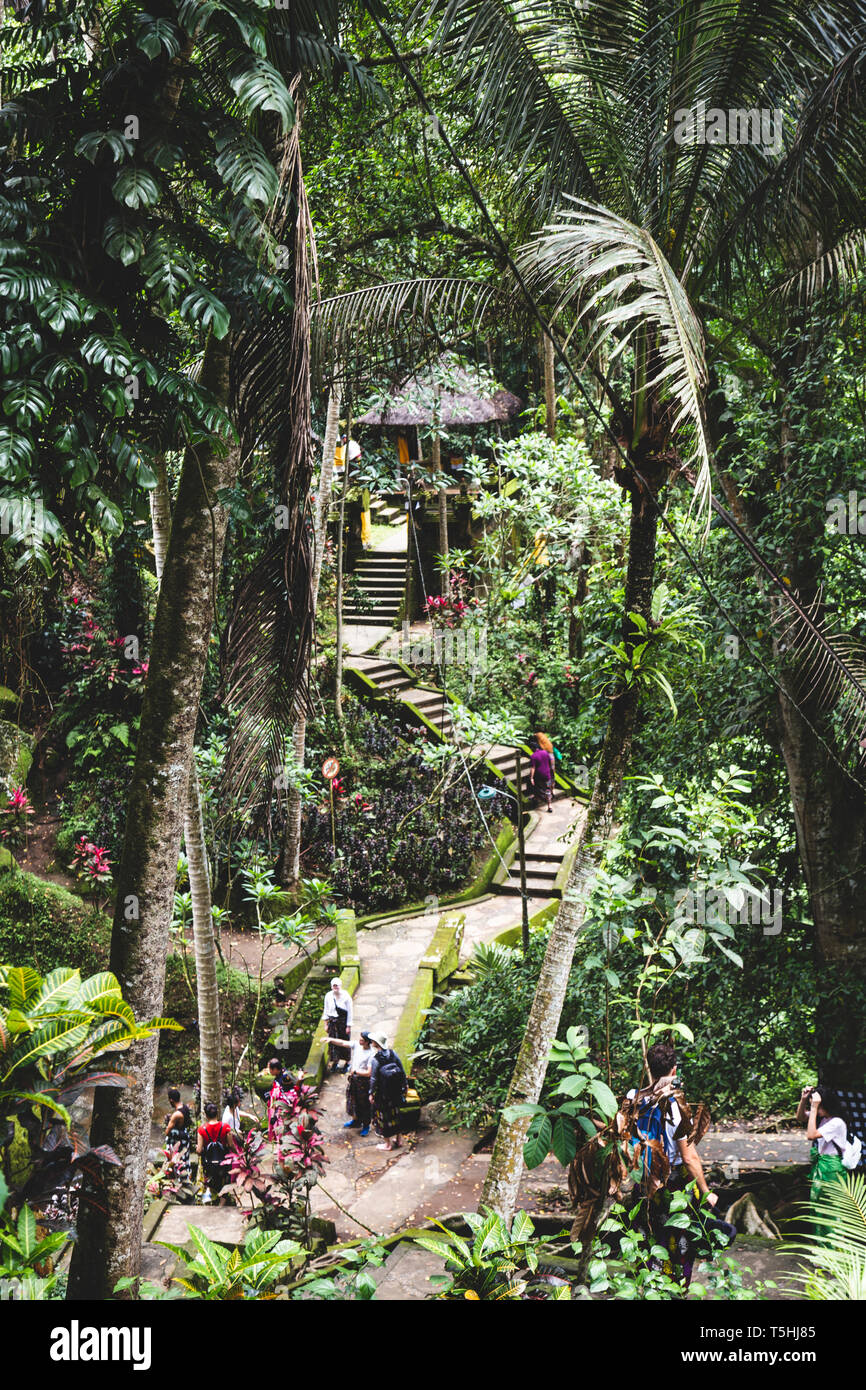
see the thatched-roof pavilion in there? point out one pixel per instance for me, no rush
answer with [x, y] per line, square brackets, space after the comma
[463, 401]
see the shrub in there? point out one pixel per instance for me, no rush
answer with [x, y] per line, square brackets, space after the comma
[45, 926]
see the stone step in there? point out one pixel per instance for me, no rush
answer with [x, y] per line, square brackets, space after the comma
[512, 890]
[368, 620]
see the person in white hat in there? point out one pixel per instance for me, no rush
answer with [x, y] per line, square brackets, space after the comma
[337, 1014]
[388, 1087]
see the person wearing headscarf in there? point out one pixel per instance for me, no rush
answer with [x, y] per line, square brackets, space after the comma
[337, 1014]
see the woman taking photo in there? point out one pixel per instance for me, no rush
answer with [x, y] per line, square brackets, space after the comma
[827, 1127]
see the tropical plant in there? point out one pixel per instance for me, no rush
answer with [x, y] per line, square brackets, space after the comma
[625, 1263]
[495, 1263]
[52, 1031]
[247, 1272]
[26, 1256]
[835, 1259]
[644, 227]
[13, 827]
[556, 1129]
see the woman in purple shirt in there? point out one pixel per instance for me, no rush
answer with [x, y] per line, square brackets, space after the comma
[542, 766]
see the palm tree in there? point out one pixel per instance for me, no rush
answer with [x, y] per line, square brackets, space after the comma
[600, 111]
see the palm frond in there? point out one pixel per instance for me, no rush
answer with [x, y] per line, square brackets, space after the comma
[835, 1260]
[622, 282]
[384, 327]
[841, 264]
[829, 667]
[504, 60]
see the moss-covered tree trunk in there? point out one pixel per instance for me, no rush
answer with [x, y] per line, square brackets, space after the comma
[109, 1228]
[198, 869]
[291, 859]
[506, 1164]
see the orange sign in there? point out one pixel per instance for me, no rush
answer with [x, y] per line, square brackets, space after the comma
[330, 768]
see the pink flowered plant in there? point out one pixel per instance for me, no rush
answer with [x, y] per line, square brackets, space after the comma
[13, 829]
[91, 864]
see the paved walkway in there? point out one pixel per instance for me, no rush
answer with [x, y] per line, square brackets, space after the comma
[384, 1190]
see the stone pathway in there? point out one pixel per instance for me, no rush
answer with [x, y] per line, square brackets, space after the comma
[388, 1190]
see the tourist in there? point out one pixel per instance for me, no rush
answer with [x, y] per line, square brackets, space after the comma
[827, 1127]
[215, 1142]
[660, 1121]
[388, 1087]
[358, 1086]
[178, 1140]
[232, 1113]
[542, 768]
[279, 1092]
[337, 1014]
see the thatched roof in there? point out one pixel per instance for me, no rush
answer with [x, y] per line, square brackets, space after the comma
[463, 401]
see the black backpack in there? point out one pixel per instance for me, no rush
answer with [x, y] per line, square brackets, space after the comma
[215, 1151]
[391, 1073]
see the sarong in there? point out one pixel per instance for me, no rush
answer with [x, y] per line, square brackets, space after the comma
[358, 1099]
[338, 1028]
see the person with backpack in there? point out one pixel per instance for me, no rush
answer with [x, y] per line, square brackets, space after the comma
[388, 1087]
[215, 1142]
[669, 1162]
[834, 1150]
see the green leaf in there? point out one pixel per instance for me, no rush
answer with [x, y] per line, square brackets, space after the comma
[604, 1097]
[92, 144]
[563, 1140]
[27, 402]
[260, 87]
[157, 36]
[122, 241]
[109, 517]
[204, 310]
[243, 165]
[519, 1112]
[536, 1146]
[136, 187]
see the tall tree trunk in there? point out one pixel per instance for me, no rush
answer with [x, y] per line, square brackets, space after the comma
[442, 496]
[338, 672]
[204, 944]
[549, 385]
[829, 810]
[108, 1246]
[291, 859]
[506, 1163]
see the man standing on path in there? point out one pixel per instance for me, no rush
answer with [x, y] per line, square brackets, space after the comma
[388, 1087]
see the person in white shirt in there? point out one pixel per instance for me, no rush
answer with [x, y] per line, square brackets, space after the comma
[337, 1014]
[358, 1085]
[827, 1127]
[232, 1114]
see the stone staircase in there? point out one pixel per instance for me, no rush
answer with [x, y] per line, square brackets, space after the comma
[386, 513]
[381, 579]
[392, 678]
[541, 874]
